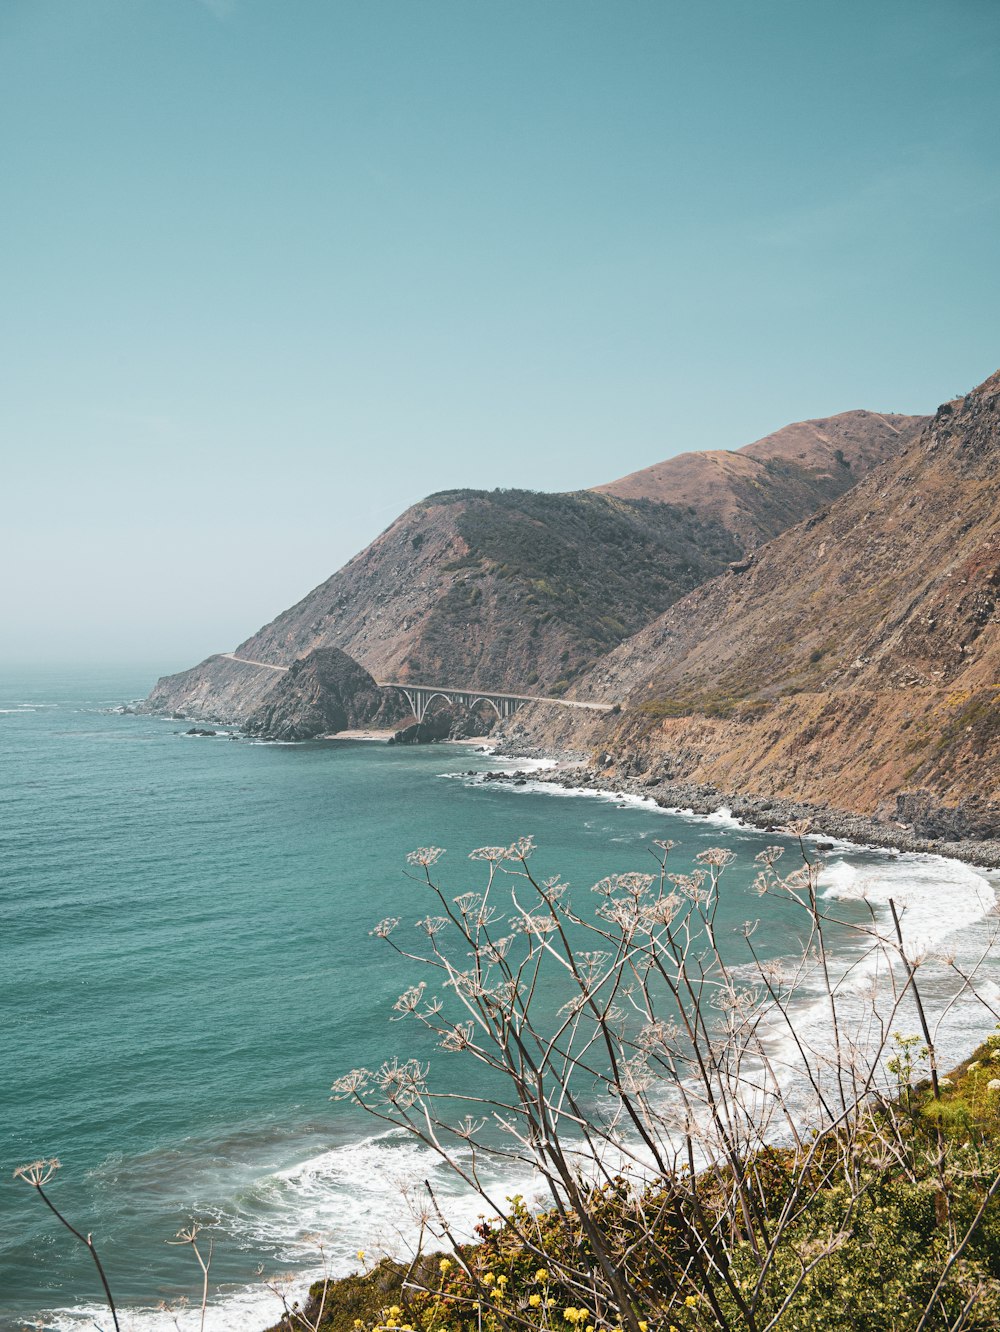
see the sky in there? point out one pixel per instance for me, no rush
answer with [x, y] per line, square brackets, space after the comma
[273, 270]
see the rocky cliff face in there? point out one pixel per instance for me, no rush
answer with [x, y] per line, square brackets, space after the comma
[854, 659]
[524, 592]
[218, 689]
[321, 694]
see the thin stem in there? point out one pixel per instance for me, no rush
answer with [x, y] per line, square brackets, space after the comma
[88, 1241]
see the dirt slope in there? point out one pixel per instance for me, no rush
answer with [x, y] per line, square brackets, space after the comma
[856, 657]
[761, 489]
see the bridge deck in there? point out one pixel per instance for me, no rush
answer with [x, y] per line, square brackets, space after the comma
[494, 693]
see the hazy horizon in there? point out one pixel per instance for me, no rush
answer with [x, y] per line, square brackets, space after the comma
[274, 274]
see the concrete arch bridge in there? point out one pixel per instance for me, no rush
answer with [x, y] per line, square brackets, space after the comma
[420, 698]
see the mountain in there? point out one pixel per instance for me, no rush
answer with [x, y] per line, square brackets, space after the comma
[852, 660]
[765, 487]
[524, 592]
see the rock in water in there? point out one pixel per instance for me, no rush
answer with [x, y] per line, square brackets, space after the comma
[323, 693]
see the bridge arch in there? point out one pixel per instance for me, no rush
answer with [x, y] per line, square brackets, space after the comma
[429, 699]
[420, 698]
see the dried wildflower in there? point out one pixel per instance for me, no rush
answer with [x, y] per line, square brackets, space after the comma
[553, 888]
[692, 886]
[591, 966]
[409, 1001]
[716, 856]
[187, 1234]
[658, 1034]
[432, 925]
[634, 883]
[425, 856]
[385, 927]
[521, 849]
[498, 948]
[351, 1083]
[37, 1173]
[468, 902]
[494, 854]
[401, 1084]
[468, 1127]
[769, 855]
[620, 912]
[634, 1077]
[532, 924]
[467, 983]
[662, 911]
[501, 998]
[459, 1038]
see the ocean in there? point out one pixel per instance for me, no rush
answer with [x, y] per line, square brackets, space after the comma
[188, 965]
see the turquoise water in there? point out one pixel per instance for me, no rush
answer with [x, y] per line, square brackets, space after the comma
[187, 966]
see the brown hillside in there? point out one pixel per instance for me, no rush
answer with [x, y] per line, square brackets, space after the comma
[855, 657]
[761, 489]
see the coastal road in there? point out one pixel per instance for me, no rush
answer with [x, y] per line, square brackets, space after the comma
[265, 665]
[446, 689]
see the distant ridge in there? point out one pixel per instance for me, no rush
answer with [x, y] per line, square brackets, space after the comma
[524, 592]
[763, 488]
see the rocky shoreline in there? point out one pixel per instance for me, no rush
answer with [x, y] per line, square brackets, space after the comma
[771, 813]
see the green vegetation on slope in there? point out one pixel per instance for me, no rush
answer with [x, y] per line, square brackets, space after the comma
[562, 579]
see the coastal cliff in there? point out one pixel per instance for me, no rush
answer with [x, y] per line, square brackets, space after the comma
[852, 663]
[525, 592]
[321, 694]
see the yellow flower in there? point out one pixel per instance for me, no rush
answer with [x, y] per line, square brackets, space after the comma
[542, 1274]
[690, 1300]
[488, 1278]
[361, 1255]
[534, 1300]
[643, 1325]
[394, 1311]
[502, 1280]
[445, 1265]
